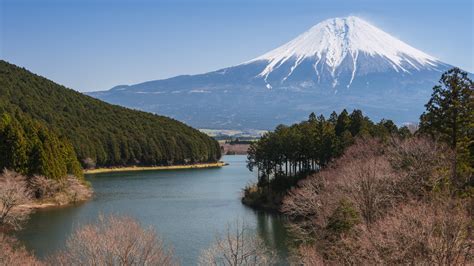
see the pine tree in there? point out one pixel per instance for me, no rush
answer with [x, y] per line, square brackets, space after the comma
[343, 122]
[449, 117]
[333, 118]
[357, 125]
[30, 148]
[13, 145]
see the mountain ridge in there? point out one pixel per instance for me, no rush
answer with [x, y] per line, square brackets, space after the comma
[338, 63]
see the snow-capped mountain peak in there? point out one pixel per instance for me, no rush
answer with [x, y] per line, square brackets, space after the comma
[340, 63]
[333, 41]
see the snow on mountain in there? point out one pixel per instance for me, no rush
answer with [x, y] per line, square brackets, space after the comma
[332, 41]
[339, 63]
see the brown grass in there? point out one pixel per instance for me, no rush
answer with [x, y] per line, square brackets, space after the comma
[154, 168]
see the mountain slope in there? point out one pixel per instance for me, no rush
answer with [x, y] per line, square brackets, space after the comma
[334, 46]
[101, 133]
[339, 63]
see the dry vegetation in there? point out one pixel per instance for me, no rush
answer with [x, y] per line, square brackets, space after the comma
[12, 253]
[382, 203]
[66, 191]
[19, 194]
[238, 246]
[114, 241]
[14, 191]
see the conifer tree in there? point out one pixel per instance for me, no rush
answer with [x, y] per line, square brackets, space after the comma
[449, 117]
[343, 122]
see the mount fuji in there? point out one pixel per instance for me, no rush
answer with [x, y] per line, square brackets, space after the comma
[338, 63]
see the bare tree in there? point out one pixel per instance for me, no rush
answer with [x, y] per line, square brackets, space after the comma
[43, 187]
[65, 191]
[238, 246]
[74, 190]
[418, 234]
[114, 241]
[424, 165]
[370, 184]
[308, 255]
[362, 176]
[12, 253]
[311, 204]
[89, 163]
[412, 234]
[371, 181]
[13, 192]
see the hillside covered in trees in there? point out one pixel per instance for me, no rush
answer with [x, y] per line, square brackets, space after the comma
[101, 134]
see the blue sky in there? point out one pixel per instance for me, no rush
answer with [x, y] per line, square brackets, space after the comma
[94, 45]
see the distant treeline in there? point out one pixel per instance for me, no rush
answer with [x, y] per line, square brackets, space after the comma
[311, 144]
[101, 134]
[228, 138]
[240, 141]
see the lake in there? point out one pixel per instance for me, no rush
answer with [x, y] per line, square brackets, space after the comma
[187, 208]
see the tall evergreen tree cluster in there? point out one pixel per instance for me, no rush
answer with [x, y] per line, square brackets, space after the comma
[449, 117]
[310, 145]
[29, 148]
[102, 134]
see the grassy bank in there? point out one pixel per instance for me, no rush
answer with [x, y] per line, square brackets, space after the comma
[154, 168]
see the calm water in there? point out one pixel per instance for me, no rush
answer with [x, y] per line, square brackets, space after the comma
[188, 208]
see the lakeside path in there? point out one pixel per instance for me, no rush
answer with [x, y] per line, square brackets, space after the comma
[154, 168]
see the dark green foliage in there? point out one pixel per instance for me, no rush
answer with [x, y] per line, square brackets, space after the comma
[404, 132]
[13, 145]
[342, 123]
[29, 148]
[101, 134]
[343, 219]
[449, 117]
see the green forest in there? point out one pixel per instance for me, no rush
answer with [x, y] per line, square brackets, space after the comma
[101, 134]
[29, 148]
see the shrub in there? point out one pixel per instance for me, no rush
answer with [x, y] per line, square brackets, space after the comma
[12, 253]
[238, 246]
[13, 193]
[114, 240]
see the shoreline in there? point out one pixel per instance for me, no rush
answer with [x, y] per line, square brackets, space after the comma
[155, 168]
[49, 204]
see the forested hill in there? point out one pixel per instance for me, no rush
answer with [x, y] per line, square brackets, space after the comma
[102, 134]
